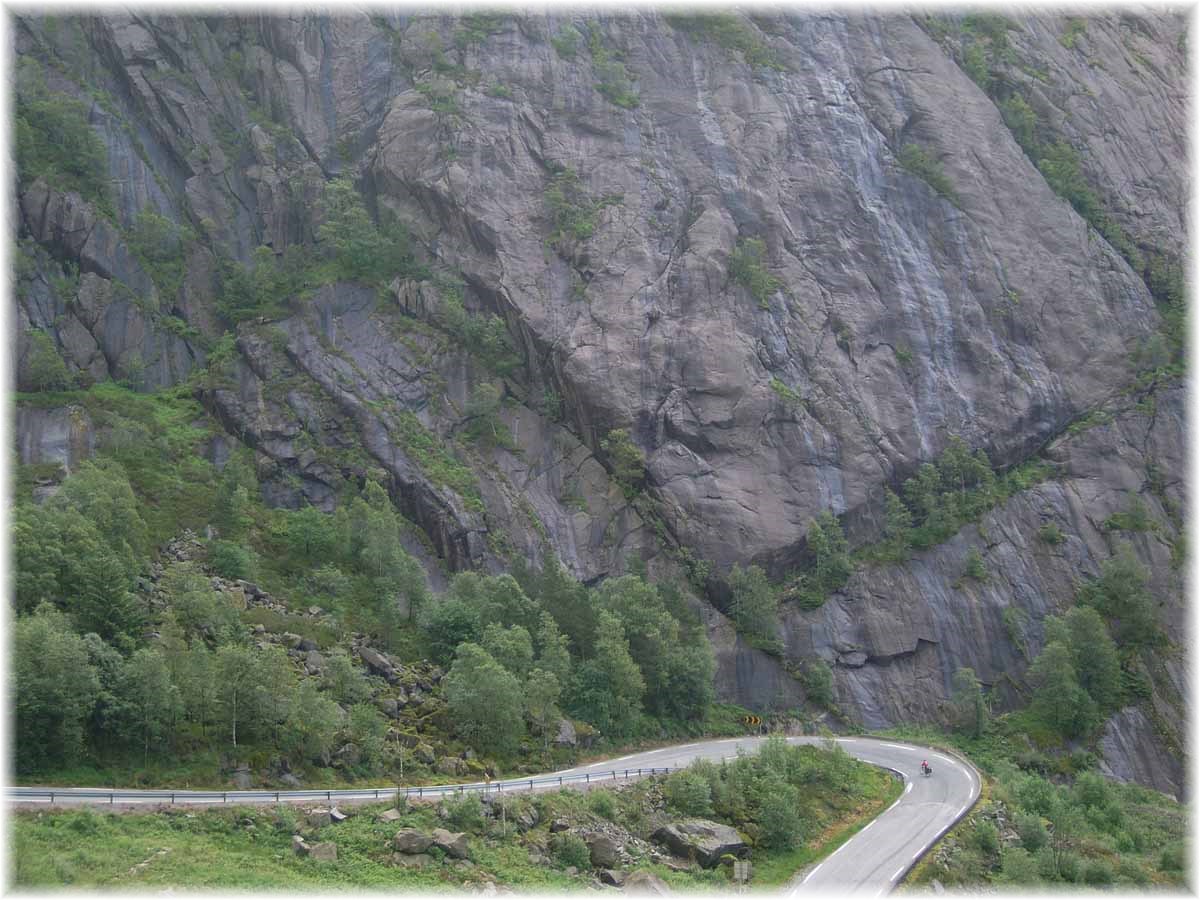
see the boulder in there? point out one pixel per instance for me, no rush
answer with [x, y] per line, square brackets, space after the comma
[412, 860]
[318, 818]
[559, 825]
[308, 645]
[454, 843]
[299, 846]
[612, 877]
[388, 707]
[566, 734]
[853, 660]
[287, 778]
[605, 850]
[323, 852]
[450, 765]
[378, 663]
[410, 840]
[242, 779]
[424, 753]
[645, 883]
[291, 641]
[707, 841]
[349, 755]
[389, 815]
[336, 816]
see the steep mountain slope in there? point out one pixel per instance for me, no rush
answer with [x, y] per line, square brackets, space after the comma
[789, 257]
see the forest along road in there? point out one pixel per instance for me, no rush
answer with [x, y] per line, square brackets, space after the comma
[869, 863]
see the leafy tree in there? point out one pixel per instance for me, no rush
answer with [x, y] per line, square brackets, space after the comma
[149, 697]
[1031, 831]
[569, 603]
[831, 553]
[368, 729]
[198, 686]
[44, 365]
[779, 816]
[818, 683]
[542, 690]
[484, 700]
[360, 250]
[37, 556]
[99, 490]
[230, 560]
[1058, 700]
[312, 725]
[55, 141]
[197, 606]
[626, 459]
[966, 698]
[898, 526]
[55, 687]
[754, 606]
[449, 623]
[511, 647]
[103, 602]
[553, 656]
[343, 680]
[687, 676]
[309, 535]
[1121, 594]
[236, 671]
[688, 793]
[274, 688]
[1093, 653]
[483, 417]
[608, 687]
[748, 267]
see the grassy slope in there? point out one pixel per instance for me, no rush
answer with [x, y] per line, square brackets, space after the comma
[215, 848]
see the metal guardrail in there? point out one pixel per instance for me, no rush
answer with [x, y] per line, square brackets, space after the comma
[17, 794]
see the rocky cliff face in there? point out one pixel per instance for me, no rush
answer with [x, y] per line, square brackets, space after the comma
[892, 311]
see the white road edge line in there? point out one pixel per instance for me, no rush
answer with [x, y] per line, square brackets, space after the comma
[813, 872]
[899, 872]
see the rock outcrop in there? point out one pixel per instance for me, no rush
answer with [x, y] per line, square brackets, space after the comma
[783, 313]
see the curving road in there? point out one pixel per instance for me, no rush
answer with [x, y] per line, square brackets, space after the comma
[871, 862]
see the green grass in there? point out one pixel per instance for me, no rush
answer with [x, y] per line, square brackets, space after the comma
[250, 847]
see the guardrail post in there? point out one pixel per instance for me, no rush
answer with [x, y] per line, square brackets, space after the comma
[172, 799]
[277, 796]
[224, 797]
[112, 798]
[52, 792]
[560, 781]
[588, 777]
[420, 792]
[328, 796]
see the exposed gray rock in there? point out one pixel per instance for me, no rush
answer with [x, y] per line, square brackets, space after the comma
[566, 736]
[410, 840]
[646, 883]
[605, 850]
[323, 852]
[412, 860]
[706, 841]
[454, 843]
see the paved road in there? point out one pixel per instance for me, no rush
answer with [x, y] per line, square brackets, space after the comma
[869, 863]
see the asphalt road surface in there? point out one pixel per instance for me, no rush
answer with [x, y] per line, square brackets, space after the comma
[869, 863]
